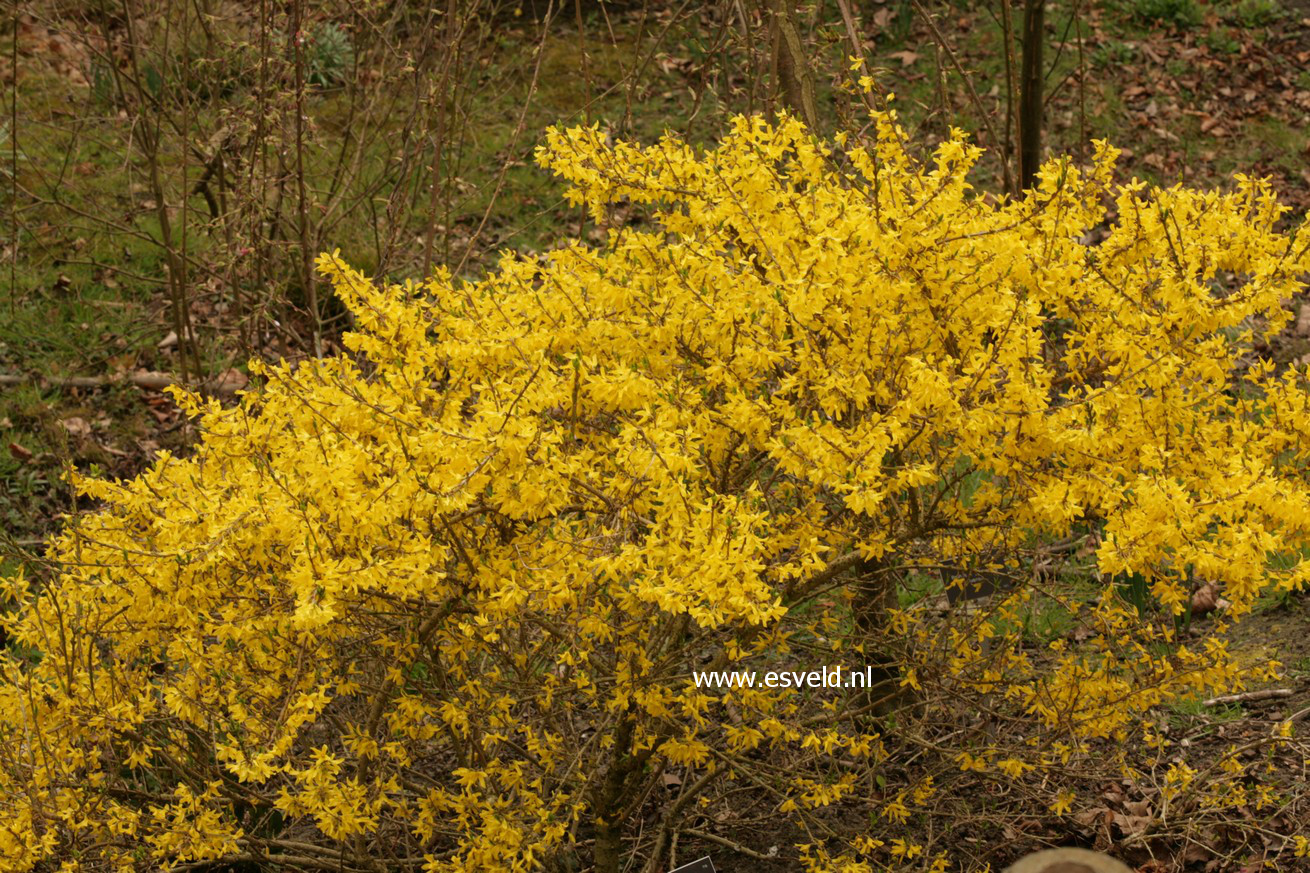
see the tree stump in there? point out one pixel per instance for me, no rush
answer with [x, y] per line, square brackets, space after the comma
[1067, 861]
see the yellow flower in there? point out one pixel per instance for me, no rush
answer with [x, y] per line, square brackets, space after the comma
[1063, 802]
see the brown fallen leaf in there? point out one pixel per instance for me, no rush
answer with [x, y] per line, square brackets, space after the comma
[906, 57]
[19, 453]
[1138, 807]
[1132, 825]
[76, 427]
[228, 381]
[1095, 817]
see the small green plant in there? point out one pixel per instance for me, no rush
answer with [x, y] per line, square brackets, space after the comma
[1222, 41]
[1135, 591]
[330, 56]
[1114, 53]
[1176, 67]
[1181, 14]
[102, 83]
[1255, 13]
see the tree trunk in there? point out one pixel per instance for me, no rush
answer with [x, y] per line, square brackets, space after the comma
[875, 593]
[792, 80]
[1031, 98]
[608, 803]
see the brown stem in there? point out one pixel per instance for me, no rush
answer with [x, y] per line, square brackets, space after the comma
[13, 171]
[443, 109]
[857, 46]
[150, 137]
[968, 84]
[669, 821]
[1011, 92]
[297, 47]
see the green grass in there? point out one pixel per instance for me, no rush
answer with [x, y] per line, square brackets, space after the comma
[1181, 14]
[918, 587]
[1272, 141]
[1186, 714]
[1254, 13]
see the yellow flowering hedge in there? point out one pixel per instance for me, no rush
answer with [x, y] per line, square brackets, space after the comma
[437, 603]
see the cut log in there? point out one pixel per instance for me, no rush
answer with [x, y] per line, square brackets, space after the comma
[1067, 861]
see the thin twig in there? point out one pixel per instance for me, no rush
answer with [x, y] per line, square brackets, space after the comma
[730, 844]
[973, 94]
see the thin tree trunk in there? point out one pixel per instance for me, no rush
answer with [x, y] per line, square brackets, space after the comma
[1011, 97]
[1030, 97]
[297, 47]
[608, 804]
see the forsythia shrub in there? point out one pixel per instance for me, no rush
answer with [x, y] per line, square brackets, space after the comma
[436, 605]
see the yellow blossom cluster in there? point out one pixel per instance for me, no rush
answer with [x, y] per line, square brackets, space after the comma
[438, 601]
